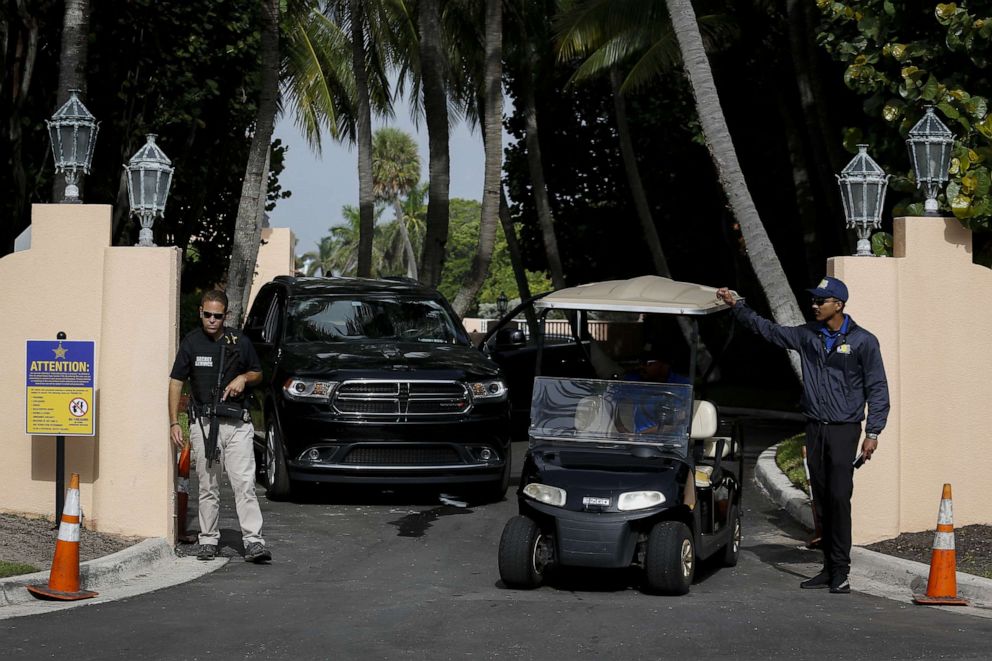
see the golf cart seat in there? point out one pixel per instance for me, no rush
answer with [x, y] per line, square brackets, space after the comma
[705, 422]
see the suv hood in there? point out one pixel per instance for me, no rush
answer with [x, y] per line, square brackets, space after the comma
[406, 359]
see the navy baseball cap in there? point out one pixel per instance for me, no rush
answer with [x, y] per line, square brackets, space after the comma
[830, 288]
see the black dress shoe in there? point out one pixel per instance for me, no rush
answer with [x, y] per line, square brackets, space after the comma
[207, 552]
[840, 585]
[821, 580]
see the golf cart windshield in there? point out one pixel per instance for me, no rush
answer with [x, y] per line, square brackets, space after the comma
[611, 413]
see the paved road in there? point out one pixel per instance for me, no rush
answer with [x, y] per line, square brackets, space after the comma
[406, 577]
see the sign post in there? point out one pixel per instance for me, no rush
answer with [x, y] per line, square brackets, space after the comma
[60, 383]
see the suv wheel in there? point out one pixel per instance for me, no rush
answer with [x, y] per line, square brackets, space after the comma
[671, 558]
[494, 492]
[276, 477]
[524, 553]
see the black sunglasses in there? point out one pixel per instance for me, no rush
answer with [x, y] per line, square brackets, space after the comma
[820, 301]
[215, 315]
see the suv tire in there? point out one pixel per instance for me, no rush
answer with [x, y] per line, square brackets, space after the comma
[494, 492]
[276, 477]
[670, 562]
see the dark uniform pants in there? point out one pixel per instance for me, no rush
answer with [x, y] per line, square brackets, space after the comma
[831, 450]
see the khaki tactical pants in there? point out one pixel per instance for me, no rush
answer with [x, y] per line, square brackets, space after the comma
[235, 441]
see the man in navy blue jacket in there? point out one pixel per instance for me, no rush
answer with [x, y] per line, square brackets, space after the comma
[842, 373]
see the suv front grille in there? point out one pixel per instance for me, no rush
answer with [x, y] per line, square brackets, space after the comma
[430, 455]
[401, 398]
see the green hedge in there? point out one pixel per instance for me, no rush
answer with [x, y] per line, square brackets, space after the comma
[789, 458]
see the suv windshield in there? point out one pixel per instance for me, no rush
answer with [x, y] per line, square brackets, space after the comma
[611, 412]
[347, 320]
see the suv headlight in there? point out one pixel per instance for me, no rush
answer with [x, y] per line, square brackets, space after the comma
[488, 391]
[545, 494]
[639, 500]
[308, 390]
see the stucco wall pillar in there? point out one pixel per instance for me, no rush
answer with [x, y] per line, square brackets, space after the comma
[126, 300]
[922, 306]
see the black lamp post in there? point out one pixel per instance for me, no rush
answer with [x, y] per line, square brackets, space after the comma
[930, 145]
[149, 175]
[73, 131]
[502, 304]
[862, 189]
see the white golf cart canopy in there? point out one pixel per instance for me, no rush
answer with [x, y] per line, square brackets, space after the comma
[646, 293]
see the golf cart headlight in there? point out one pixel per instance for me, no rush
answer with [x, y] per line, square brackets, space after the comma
[488, 391]
[545, 494]
[308, 390]
[638, 500]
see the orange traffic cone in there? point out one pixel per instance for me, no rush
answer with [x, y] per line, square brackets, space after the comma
[182, 497]
[942, 586]
[63, 581]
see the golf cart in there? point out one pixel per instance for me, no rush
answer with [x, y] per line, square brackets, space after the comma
[623, 472]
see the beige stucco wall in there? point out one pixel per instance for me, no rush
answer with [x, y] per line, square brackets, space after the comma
[126, 300]
[275, 257]
[927, 306]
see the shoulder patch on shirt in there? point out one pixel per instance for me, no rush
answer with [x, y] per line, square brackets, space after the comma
[844, 348]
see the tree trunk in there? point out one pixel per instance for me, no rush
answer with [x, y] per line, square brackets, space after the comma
[823, 140]
[72, 68]
[493, 143]
[536, 168]
[648, 228]
[366, 198]
[432, 66]
[761, 253]
[244, 251]
[516, 260]
[410, 257]
[21, 65]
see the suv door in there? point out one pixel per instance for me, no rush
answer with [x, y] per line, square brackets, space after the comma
[263, 326]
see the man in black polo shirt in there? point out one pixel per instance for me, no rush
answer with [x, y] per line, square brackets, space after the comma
[199, 359]
[842, 373]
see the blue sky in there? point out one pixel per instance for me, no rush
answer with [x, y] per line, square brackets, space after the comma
[321, 185]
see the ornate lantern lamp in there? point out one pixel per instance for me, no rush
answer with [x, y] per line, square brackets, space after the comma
[149, 175]
[862, 188]
[930, 145]
[502, 304]
[73, 131]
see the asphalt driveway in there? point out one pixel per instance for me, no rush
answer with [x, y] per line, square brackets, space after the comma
[406, 576]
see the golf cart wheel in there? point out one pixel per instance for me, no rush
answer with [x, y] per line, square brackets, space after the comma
[524, 554]
[732, 551]
[670, 562]
[278, 486]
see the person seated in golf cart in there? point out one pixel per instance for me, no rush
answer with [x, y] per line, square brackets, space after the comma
[655, 367]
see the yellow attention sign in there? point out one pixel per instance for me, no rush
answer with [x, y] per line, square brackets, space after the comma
[60, 388]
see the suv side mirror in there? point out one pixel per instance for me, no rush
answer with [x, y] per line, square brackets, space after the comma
[508, 338]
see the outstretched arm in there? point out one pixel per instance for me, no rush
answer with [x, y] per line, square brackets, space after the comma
[787, 337]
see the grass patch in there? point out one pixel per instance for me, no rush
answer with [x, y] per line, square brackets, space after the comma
[15, 569]
[789, 458]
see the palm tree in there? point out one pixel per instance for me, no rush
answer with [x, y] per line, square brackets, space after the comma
[761, 253]
[395, 172]
[248, 226]
[492, 121]
[530, 27]
[431, 69]
[72, 65]
[636, 31]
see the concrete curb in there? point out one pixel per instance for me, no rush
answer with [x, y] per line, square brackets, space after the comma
[148, 565]
[905, 575]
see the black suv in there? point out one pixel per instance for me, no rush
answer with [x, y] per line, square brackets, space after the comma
[373, 382]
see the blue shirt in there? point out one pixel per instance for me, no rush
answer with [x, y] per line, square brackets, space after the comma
[830, 336]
